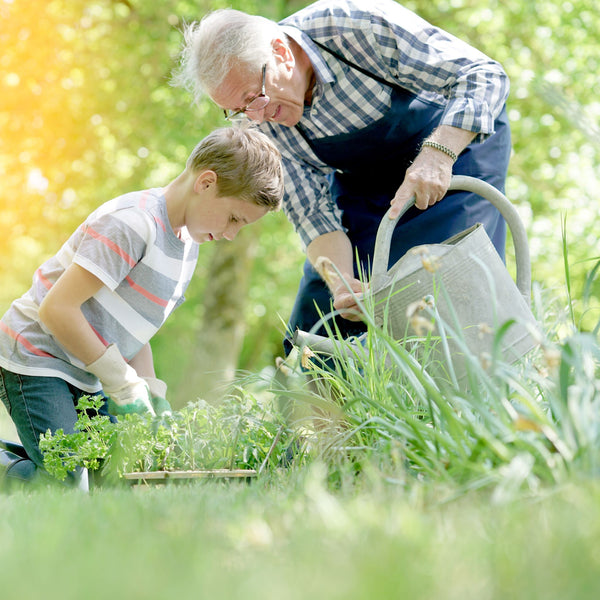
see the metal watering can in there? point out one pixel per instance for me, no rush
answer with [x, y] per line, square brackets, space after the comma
[465, 285]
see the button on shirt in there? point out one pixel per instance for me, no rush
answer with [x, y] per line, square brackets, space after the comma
[392, 43]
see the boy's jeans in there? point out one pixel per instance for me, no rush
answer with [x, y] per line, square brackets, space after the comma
[35, 405]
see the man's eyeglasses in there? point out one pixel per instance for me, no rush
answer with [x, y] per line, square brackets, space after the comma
[256, 104]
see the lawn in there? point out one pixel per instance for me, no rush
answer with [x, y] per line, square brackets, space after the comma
[289, 536]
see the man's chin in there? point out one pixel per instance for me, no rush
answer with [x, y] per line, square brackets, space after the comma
[290, 118]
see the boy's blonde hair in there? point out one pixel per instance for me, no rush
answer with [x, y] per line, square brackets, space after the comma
[247, 164]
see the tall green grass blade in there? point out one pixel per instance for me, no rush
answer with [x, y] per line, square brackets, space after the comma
[565, 252]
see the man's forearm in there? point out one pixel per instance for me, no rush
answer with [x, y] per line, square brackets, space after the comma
[336, 247]
[451, 137]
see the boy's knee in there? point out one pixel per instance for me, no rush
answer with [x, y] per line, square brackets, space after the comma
[15, 469]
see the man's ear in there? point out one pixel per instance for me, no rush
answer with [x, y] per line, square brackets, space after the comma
[282, 51]
[204, 180]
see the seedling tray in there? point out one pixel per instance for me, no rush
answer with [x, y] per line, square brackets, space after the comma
[163, 476]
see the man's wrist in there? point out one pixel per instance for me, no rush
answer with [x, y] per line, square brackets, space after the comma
[340, 284]
[440, 148]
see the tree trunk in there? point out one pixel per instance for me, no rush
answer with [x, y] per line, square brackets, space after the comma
[213, 359]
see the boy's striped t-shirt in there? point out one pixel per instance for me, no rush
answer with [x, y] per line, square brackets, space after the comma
[128, 243]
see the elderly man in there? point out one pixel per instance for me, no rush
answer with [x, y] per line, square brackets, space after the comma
[370, 105]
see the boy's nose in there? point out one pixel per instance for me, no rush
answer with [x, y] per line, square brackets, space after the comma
[231, 231]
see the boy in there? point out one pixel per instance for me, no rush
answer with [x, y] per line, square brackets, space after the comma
[84, 326]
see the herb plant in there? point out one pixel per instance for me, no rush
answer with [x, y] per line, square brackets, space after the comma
[239, 433]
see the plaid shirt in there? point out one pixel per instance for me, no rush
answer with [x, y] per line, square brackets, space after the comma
[395, 44]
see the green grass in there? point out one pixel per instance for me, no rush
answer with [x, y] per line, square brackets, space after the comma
[290, 537]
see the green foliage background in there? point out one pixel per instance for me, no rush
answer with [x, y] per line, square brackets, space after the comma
[87, 113]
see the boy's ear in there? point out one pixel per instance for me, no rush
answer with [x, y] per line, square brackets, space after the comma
[204, 180]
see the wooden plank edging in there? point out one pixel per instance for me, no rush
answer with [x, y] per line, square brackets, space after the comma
[207, 474]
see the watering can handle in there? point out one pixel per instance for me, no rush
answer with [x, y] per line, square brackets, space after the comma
[489, 192]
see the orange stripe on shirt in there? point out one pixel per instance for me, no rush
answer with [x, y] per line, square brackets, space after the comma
[143, 200]
[110, 244]
[45, 282]
[146, 293]
[160, 223]
[19, 338]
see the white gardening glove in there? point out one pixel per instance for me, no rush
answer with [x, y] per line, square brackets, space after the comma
[158, 396]
[127, 392]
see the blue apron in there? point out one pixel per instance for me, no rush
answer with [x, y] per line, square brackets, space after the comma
[370, 166]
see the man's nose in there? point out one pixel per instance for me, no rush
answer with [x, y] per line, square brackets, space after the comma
[257, 115]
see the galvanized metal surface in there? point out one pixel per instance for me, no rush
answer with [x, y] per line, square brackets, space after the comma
[492, 195]
[469, 293]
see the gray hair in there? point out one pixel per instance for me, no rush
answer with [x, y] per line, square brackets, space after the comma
[222, 39]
